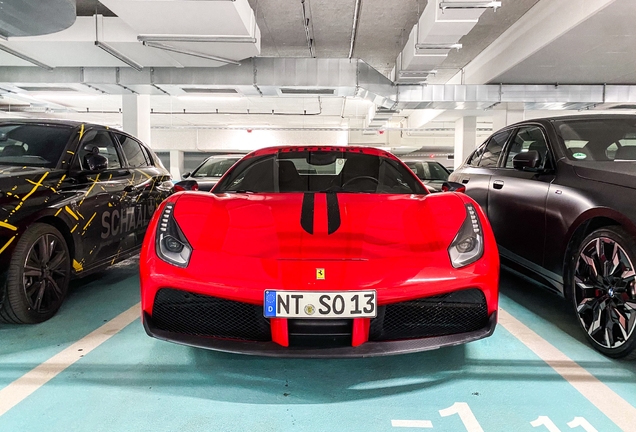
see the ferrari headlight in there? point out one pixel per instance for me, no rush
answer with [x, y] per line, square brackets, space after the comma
[468, 245]
[171, 244]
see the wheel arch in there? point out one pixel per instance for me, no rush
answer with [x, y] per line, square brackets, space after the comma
[59, 224]
[586, 223]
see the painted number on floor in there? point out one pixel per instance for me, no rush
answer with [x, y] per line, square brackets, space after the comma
[471, 424]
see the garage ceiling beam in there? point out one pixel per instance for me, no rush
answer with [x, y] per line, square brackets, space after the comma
[540, 26]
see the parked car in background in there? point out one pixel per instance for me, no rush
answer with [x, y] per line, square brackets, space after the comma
[206, 175]
[433, 174]
[74, 198]
[560, 194]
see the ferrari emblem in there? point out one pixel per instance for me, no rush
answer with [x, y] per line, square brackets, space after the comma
[320, 273]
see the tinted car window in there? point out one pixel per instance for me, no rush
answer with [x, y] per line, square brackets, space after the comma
[473, 159]
[493, 149]
[32, 144]
[214, 167]
[599, 139]
[527, 138]
[101, 140]
[320, 171]
[133, 152]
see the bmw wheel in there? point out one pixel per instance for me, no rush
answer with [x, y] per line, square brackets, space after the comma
[38, 276]
[604, 291]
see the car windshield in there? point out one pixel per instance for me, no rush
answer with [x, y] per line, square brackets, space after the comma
[599, 139]
[33, 144]
[428, 171]
[320, 171]
[214, 167]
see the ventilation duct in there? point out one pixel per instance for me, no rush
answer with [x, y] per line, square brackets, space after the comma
[199, 90]
[438, 31]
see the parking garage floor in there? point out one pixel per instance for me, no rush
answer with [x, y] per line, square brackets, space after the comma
[92, 368]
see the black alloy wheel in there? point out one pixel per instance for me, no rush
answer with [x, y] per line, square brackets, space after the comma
[38, 276]
[604, 291]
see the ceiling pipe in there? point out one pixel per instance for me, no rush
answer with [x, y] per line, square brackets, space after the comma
[190, 53]
[119, 56]
[354, 29]
[198, 38]
[25, 57]
[308, 31]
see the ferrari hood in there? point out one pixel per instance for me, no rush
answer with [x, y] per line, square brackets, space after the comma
[319, 226]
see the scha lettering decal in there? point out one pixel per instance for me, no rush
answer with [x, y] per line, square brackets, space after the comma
[116, 222]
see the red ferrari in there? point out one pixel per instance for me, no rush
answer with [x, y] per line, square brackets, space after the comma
[319, 252]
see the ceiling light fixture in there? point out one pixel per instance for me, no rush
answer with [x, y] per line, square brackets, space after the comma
[449, 46]
[191, 38]
[190, 53]
[470, 5]
[25, 57]
[119, 56]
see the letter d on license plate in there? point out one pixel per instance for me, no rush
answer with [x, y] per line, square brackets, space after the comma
[324, 304]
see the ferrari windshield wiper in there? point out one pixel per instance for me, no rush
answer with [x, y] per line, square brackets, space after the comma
[243, 191]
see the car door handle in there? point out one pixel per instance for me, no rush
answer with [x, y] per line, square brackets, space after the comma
[466, 180]
[498, 184]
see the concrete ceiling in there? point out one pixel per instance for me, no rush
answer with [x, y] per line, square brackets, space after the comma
[601, 49]
[381, 33]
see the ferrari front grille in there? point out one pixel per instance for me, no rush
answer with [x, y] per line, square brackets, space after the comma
[456, 312]
[200, 315]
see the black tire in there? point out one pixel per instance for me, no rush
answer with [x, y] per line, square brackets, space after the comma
[37, 278]
[602, 290]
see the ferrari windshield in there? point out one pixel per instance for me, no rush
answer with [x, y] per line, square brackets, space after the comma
[320, 171]
[33, 144]
[609, 139]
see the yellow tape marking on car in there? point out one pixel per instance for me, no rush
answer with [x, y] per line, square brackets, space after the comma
[90, 189]
[60, 182]
[24, 198]
[6, 225]
[81, 132]
[59, 210]
[6, 245]
[89, 221]
[77, 266]
[69, 211]
[74, 228]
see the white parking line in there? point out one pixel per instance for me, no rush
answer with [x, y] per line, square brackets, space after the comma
[412, 423]
[28, 383]
[600, 395]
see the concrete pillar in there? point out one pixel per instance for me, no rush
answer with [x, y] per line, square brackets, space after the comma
[503, 118]
[176, 164]
[465, 139]
[136, 116]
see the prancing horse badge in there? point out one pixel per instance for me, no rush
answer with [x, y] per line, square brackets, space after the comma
[320, 273]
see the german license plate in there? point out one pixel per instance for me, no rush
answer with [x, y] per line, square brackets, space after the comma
[325, 304]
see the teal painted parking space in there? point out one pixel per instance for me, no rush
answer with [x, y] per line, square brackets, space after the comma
[90, 303]
[552, 318]
[135, 383]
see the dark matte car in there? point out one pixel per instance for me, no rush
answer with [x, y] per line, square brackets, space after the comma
[208, 173]
[433, 174]
[74, 198]
[560, 194]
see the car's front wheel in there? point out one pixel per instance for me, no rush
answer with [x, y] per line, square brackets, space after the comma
[38, 276]
[604, 291]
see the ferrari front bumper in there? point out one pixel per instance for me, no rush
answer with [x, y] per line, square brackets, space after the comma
[368, 349]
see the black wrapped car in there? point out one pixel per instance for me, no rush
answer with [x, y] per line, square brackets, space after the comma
[74, 198]
[560, 194]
